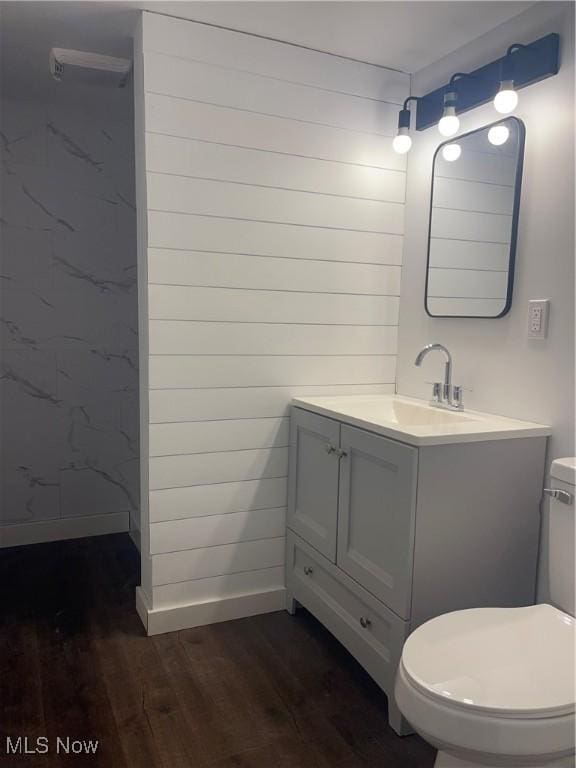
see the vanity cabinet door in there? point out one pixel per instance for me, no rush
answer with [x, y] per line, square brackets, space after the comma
[313, 480]
[376, 515]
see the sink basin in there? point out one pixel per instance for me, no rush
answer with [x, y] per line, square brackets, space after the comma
[419, 415]
[416, 422]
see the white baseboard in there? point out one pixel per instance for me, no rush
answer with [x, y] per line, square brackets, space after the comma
[161, 620]
[59, 529]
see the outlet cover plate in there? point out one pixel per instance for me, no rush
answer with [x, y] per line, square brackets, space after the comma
[538, 312]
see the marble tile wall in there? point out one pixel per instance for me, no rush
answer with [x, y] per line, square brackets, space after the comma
[68, 313]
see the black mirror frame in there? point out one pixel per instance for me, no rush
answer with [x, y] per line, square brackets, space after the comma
[515, 215]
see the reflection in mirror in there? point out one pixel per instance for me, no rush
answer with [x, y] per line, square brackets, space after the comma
[473, 222]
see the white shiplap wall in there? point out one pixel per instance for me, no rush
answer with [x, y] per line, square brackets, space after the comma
[274, 210]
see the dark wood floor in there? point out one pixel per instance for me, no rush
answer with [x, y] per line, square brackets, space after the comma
[272, 691]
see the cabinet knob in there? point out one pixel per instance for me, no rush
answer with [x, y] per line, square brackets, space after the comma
[340, 453]
[365, 622]
[308, 570]
[329, 448]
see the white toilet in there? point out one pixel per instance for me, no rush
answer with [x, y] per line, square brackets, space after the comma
[496, 686]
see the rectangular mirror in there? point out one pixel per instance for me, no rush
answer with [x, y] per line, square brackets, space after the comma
[476, 181]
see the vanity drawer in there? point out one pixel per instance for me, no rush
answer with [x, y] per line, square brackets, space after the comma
[369, 630]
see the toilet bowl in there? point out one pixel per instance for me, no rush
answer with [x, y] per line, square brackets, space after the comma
[492, 686]
[496, 686]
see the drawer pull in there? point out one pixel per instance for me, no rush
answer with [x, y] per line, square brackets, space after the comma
[329, 448]
[365, 622]
[308, 571]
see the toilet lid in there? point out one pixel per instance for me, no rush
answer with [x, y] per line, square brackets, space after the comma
[506, 661]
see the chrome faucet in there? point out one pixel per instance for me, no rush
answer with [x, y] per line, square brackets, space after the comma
[443, 395]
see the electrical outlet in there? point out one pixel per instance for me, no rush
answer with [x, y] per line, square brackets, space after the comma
[538, 311]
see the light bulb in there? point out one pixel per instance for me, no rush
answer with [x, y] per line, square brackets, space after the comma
[401, 143]
[449, 122]
[498, 135]
[448, 125]
[451, 152]
[506, 100]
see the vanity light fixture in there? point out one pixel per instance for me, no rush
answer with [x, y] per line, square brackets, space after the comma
[498, 135]
[403, 141]
[451, 152]
[496, 82]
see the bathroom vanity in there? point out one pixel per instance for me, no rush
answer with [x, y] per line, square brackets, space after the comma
[399, 511]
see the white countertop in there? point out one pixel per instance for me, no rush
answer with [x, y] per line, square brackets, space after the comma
[416, 422]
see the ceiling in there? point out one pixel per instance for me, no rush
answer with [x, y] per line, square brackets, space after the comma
[406, 35]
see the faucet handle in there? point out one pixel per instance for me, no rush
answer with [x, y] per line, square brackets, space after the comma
[458, 396]
[436, 391]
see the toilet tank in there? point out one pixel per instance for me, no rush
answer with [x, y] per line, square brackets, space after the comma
[561, 535]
